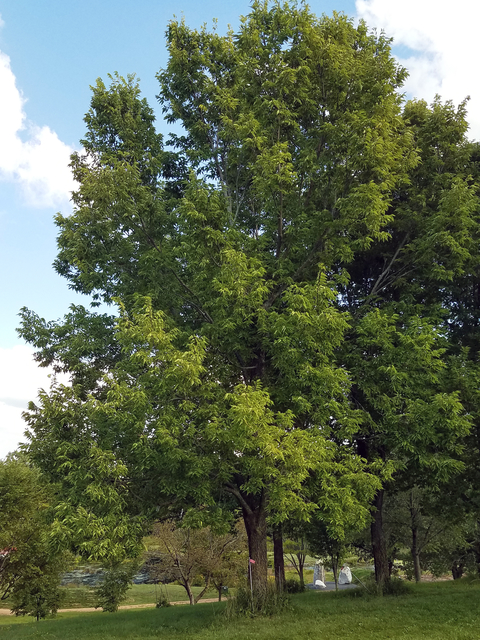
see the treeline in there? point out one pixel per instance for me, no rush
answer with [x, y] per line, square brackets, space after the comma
[293, 290]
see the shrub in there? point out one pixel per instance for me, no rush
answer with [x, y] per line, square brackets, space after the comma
[244, 604]
[113, 589]
[163, 602]
[394, 587]
[293, 586]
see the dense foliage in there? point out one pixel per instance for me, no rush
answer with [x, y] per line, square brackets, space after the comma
[30, 566]
[291, 277]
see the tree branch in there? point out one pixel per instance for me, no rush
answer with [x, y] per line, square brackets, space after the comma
[231, 488]
[385, 273]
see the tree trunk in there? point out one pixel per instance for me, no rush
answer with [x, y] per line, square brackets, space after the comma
[390, 567]
[416, 555]
[203, 591]
[457, 570]
[278, 558]
[476, 548]
[301, 564]
[255, 519]
[191, 597]
[335, 564]
[220, 593]
[379, 546]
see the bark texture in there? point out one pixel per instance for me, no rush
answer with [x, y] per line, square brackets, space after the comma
[255, 519]
[416, 555]
[278, 558]
[379, 547]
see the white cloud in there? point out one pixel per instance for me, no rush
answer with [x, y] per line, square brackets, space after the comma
[443, 37]
[20, 380]
[31, 156]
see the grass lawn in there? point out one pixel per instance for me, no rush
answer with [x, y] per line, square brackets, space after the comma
[433, 611]
[80, 597]
[137, 594]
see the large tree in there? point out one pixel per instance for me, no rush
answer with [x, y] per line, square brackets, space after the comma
[408, 316]
[222, 380]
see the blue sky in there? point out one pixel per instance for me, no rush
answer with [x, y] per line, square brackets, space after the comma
[52, 51]
[57, 49]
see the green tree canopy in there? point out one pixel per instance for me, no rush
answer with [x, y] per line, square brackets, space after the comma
[229, 258]
[30, 566]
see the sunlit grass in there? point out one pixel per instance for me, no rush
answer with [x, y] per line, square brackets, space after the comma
[434, 611]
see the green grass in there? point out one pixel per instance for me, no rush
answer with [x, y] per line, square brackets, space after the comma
[81, 597]
[435, 611]
[145, 593]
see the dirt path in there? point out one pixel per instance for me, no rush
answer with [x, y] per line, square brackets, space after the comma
[7, 612]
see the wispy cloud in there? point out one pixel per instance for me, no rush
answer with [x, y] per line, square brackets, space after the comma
[31, 156]
[443, 41]
[20, 380]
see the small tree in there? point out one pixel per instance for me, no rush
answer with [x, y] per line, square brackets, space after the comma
[187, 554]
[30, 568]
[113, 588]
[324, 544]
[296, 551]
[37, 592]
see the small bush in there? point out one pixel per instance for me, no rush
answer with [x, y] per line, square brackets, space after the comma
[113, 589]
[368, 587]
[163, 602]
[471, 577]
[394, 587]
[293, 586]
[268, 604]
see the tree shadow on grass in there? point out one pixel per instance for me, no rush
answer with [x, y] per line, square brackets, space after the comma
[172, 622]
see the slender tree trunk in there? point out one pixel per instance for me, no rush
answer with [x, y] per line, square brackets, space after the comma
[457, 570]
[416, 555]
[379, 546]
[335, 570]
[301, 564]
[278, 558]
[220, 593]
[255, 519]
[203, 591]
[188, 589]
[476, 548]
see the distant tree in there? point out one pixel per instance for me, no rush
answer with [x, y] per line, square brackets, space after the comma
[188, 555]
[112, 590]
[296, 548]
[454, 549]
[229, 568]
[438, 531]
[325, 544]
